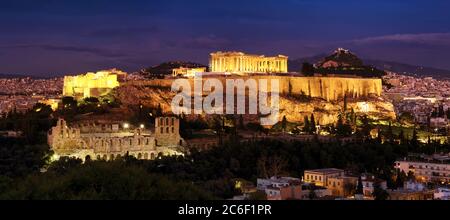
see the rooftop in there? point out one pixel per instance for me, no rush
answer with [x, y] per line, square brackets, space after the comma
[239, 53]
[325, 171]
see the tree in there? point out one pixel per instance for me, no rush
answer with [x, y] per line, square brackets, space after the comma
[342, 129]
[241, 122]
[307, 69]
[269, 167]
[406, 117]
[312, 193]
[159, 110]
[400, 179]
[290, 88]
[284, 123]
[414, 141]
[378, 192]
[441, 112]
[390, 134]
[349, 189]
[257, 196]
[360, 187]
[352, 117]
[402, 137]
[234, 165]
[104, 180]
[89, 100]
[306, 124]
[313, 128]
[345, 102]
[411, 176]
[218, 126]
[261, 167]
[64, 165]
[365, 126]
[68, 102]
[277, 166]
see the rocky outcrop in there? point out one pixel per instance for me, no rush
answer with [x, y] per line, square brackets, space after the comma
[295, 109]
[327, 112]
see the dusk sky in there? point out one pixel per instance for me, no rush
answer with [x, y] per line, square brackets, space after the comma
[55, 37]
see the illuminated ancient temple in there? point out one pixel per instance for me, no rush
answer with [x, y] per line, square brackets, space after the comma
[92, 84]
[241, 63]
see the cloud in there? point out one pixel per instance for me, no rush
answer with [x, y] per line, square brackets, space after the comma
[123, 32]
[69, 48]
[210, 42]
[432, 39]
[82, 7]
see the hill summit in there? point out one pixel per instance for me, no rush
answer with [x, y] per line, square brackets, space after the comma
[341, 62]
[163, 69]
[340, 58]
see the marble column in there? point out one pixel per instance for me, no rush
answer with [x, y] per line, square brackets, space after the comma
[216, 64]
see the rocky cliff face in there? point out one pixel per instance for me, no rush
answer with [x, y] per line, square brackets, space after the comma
[328, 112]
[295, 109]
[331, 88]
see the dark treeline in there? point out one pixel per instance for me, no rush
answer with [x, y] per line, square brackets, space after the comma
[69, 179]
[209, 174]
[34, 123]
[26, 171]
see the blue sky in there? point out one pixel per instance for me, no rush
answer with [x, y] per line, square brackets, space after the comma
[50, 37]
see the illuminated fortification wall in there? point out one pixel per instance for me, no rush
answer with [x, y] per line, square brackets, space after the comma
[327, 88]
[91, 84]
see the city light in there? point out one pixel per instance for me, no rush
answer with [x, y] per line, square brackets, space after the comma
[311, 126]
[364, 106]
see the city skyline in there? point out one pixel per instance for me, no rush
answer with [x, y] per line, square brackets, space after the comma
[61, 37]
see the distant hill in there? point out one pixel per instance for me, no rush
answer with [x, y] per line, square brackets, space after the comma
[340, 58]
[296, 64]
[163, 69]
[341, 61]
[9, 76]
[406, 69]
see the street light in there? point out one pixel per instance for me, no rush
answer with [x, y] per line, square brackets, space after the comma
[126, 125]
[142, 126]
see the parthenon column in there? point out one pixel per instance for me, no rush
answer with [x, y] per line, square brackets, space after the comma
[245, 64]
[217, 65]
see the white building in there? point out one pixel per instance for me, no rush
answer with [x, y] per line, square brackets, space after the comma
[281, 188]
[369, 181]
[439, 122]
[442, 194]
[426, 171]
[414, 186]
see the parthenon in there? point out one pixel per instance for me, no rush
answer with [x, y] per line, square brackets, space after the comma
[239, 62]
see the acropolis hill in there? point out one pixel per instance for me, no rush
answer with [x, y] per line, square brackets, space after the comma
[325, 102]
[324, 92]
